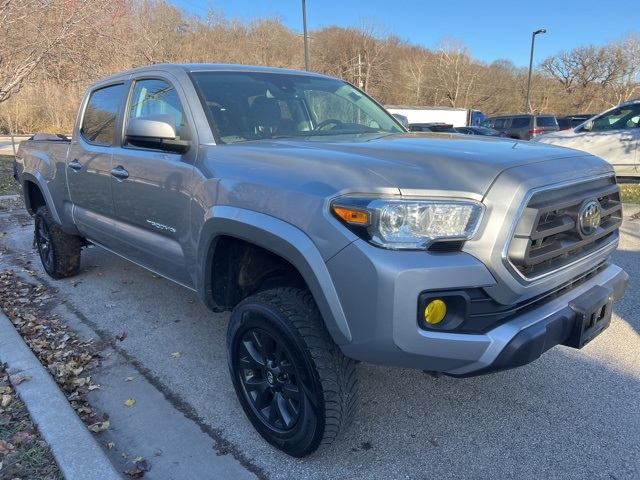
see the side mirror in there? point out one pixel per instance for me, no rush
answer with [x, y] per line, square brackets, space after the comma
[587, 127]
[157, 132]
[404, 121]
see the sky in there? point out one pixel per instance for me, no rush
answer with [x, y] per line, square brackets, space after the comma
[491, 30]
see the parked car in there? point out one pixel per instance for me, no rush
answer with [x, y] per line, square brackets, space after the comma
[613, 135]
[480, 131]
[572, 121]
[523, 127]
[432, 127]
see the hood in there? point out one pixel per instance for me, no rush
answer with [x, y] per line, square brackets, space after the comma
[408, 163]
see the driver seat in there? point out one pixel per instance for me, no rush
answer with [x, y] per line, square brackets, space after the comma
[265, 115]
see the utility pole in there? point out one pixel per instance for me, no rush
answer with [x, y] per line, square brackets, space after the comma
[533, 41]
[304, 28]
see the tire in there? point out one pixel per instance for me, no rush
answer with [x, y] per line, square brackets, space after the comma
[296, 387]
[59, 251]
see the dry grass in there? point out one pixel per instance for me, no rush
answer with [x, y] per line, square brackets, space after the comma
[8, 186]
[630, 192]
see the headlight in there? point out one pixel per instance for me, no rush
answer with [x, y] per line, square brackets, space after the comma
[409, 223]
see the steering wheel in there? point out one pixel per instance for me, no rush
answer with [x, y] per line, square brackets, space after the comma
[329, 121]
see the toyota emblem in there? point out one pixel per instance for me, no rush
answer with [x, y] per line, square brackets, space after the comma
[589, 218]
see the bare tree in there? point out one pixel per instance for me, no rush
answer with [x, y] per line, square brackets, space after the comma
[624, 82]
[32, 30]
[595, 77]
[416, 66]
[456, 73]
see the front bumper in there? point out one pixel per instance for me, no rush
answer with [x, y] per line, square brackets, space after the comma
[572, 326]
[379, 290]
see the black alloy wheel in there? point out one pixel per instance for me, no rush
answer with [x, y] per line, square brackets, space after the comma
[270, 380]
[294, 384]
[59, 251]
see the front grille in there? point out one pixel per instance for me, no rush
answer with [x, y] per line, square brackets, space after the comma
[548, 234]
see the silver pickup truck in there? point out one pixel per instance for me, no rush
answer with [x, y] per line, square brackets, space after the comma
[334, 235]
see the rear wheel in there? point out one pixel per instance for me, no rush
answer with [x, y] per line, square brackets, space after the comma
[59, 251]
[293, 382]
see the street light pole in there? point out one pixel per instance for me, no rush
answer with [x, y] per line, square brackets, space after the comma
[533, 41]
[304, 27]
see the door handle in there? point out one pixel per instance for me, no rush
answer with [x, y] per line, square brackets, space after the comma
[120, 173]
[75, 164]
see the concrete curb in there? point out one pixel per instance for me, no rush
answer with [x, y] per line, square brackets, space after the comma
[75, 449]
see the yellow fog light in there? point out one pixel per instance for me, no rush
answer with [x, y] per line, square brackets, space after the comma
[435, 312]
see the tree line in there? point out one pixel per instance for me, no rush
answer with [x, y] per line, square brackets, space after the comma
[52, 50]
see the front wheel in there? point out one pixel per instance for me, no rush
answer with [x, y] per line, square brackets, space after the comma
[59, 251]
[296, 387]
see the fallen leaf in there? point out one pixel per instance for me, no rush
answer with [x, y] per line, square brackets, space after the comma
[19, 380]
[21, 437]
[6, 400]
[130, 402]
[176, 354]
[137, 459]
[111, 445]
[5, 447]
[134, 473]
[99, 427]
[122, 336]
[142, 464]
[80, 382]
[130, 379]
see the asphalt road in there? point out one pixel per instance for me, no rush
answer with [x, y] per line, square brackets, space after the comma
[572, 414]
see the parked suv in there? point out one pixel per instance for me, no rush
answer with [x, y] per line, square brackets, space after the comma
[523, 127]
[572, 121]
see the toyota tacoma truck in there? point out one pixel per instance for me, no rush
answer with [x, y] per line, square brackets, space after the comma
[333, 234]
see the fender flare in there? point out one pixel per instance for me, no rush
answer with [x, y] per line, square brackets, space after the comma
[283, 239]
[38, 179]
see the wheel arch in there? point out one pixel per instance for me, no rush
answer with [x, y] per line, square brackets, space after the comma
[36, 194]
[229, 234]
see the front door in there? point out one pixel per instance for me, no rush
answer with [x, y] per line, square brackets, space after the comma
[151, 189]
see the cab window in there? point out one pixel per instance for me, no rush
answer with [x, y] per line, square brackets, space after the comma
[99, 121]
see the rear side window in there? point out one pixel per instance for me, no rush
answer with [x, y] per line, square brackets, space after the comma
[520, 122]
[547, 121]
[499, 123]
[99, 122]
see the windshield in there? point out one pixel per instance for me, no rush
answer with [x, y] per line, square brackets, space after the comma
[253, 105]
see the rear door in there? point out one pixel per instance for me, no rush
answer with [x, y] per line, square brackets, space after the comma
[152, 187]
[89, 166]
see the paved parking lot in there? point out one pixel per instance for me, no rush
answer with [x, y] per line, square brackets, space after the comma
[572, 414]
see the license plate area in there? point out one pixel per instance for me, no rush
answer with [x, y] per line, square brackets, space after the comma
[593, 314]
